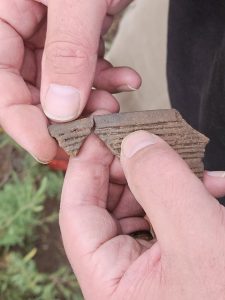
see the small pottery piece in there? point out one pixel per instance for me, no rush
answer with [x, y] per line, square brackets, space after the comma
[113, 128]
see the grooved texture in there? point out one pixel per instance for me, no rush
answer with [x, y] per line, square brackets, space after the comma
[112, 129]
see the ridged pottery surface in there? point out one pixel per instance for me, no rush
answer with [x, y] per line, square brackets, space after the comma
[113, 128]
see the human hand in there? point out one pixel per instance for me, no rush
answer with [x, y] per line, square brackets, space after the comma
[72, 63]
[98, 212]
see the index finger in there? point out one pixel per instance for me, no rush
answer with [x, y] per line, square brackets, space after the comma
[25, 123]
[84, 221]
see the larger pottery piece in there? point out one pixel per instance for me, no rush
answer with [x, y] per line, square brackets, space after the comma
[111, 129]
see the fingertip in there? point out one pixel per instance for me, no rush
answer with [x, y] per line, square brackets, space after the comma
[43, 155]
[132, 81]
[116, 79]
[215, 174]
[215, 183]
[101, 100]
[29, 129]
[94, 150]
[136, 142]
[40, 161]
[126, 88]
[62, 103]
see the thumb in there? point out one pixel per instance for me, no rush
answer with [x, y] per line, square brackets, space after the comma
[174, 199]
[214, 181]
[70, 56]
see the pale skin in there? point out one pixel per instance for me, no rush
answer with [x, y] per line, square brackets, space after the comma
[101, 206]
[51, 65]
[104, 200]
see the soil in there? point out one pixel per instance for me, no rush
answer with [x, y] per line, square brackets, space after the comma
[51, 254]
[6, 165]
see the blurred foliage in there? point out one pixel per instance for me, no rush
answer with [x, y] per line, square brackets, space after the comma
[24, 217]
[20, 280]
[21, 203]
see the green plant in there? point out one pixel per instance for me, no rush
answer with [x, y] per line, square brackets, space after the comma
[20, 279]
[29, 203]
[21, 204]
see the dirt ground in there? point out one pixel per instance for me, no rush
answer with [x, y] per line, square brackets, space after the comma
[51, 254]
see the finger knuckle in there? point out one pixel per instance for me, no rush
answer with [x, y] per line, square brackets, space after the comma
[67, 57]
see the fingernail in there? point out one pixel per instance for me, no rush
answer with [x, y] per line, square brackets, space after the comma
[40, 161]
[62, 103]
[45, 2]
[220, 174]
[126, 88]
[136, 141]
